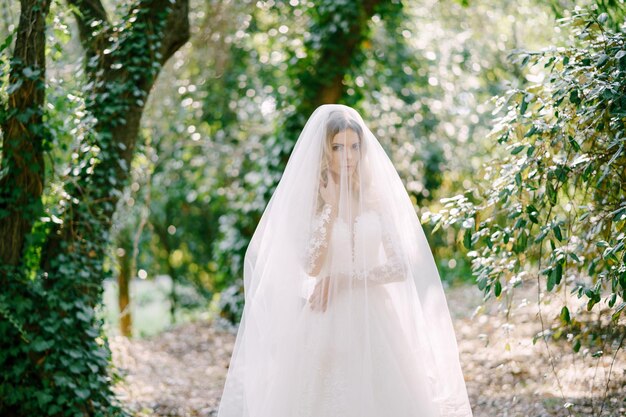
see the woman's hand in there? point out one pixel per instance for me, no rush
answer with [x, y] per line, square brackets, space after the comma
[319, 298]
[329, 191]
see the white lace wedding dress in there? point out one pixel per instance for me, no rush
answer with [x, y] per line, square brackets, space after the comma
[359, 360]
[384, 346]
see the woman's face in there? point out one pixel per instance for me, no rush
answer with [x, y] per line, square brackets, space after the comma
[345, 149]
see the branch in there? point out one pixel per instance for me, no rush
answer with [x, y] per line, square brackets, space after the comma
[92, 21]
[175, 27]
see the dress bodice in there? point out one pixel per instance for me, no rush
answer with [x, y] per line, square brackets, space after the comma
[365, 250]
[359, 248]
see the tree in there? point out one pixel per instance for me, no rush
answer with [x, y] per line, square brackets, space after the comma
[21, 184]
[53, 357]
[552, 206]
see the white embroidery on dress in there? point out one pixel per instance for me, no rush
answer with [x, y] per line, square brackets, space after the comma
[393, 270]
[319, 236]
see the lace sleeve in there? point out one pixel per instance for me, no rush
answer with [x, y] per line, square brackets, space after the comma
[318, 242]
[393, 270]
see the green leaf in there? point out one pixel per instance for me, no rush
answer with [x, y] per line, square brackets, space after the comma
[524, 104]
[522, 241]
[467, 238]
[618, 310]
[7, 42]
[525, 60]
[482, 283]
[30, 73]
[574, 144]
[602, 60]
[558, 273]
[620, 307]
[15, 86]
[40, 345]
[573, 97]
[557, 232]
[565, 314]
[82, 393]
[43, 398]
[591, 303]
[498, 288]
[576, 345]
[592, 267]
[531, 131]
[541, 235]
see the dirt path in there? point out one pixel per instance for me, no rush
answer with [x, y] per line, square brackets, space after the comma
[181, 372]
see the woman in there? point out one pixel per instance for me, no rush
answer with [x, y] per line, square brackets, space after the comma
[344, 312]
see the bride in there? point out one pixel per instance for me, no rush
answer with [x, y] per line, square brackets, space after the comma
[345, 314]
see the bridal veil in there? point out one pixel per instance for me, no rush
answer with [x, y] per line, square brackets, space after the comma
[345, 314]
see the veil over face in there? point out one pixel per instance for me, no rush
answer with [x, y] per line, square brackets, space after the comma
[345, 313]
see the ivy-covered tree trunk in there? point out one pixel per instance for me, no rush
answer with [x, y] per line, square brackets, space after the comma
[341, 34]
[53, 357]
[122, 67]
[21, 185]
[343, 29]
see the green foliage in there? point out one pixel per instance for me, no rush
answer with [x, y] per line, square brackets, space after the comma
[55, 359]
[221, 153]
[613, 11]
[326, 44]
[556, 199]
[49, 367]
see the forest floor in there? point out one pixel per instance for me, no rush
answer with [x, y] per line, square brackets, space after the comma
[181, 372]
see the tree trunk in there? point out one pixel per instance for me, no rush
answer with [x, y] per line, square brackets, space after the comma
[23, 144]
[321, 77]
[326, 76]
[123, 283]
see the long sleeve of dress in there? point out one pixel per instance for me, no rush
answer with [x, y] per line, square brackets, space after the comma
[393, 270]
[318, 243]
